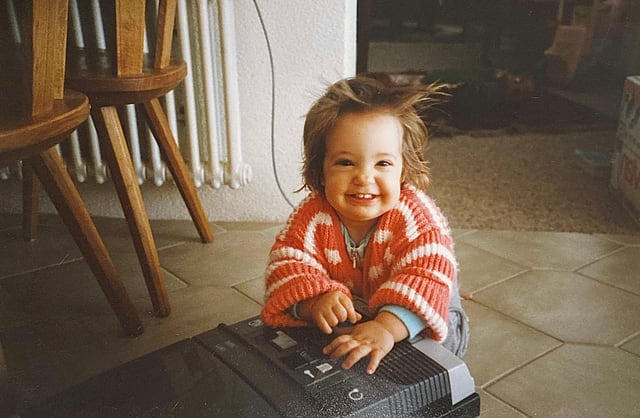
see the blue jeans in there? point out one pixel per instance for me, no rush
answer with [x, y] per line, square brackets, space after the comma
[457, 340]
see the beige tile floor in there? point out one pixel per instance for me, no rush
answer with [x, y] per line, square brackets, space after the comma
[555, 317]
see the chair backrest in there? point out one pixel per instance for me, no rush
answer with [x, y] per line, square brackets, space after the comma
[44, 49]
[130, 18]
[164, 32]
[130, 33]
[39, 60]
[32, 71]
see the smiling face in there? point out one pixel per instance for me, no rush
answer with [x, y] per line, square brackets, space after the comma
[363, 168]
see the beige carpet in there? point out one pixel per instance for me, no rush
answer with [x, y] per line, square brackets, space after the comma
[525, 176]
[525, 181]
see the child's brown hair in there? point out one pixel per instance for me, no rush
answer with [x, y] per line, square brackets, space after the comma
[365, 94]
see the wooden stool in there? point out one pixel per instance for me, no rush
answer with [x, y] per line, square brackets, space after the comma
[136, 78]
[50, 114]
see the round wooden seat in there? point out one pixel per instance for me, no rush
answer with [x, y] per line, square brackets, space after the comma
[22, 138]
[96, 76]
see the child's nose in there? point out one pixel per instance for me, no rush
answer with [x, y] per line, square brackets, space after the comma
[364, 175]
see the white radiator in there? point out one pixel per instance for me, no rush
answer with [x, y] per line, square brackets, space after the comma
[203, 111]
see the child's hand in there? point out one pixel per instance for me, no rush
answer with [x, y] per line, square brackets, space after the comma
[329, 309]
[375, 338]
[367, 338]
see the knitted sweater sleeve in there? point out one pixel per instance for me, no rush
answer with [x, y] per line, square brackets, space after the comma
[297, 267]
[422, 265]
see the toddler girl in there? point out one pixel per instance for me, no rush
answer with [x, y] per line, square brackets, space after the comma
[367, 229]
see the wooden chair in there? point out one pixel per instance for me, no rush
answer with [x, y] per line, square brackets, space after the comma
[132, 77]
[49, 114]
[571, 44]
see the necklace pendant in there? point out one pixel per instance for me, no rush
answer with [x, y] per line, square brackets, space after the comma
[355, 258]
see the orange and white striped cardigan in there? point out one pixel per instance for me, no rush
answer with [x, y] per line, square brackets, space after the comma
[409, 262]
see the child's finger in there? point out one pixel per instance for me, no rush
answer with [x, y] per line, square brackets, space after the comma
[354, 316]
[376, 357]
[341, 313]
[356, 353]
[340, 347]
[325, 328]
[324, 325]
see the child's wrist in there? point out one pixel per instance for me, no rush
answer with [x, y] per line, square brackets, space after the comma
[393, 325]
[414, 324]
[305, 308]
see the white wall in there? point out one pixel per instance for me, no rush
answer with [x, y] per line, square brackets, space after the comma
[313, 44]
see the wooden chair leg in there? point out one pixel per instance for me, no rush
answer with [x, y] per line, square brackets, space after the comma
[30, 203]
[116, 152]
[159, 125]
[50, 169]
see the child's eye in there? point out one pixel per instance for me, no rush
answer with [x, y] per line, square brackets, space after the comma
[385, 163]
[344, 163]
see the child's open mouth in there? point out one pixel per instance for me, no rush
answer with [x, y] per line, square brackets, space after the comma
[363, 196]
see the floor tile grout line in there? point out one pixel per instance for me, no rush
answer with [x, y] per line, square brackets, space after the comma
[531, 267]
[247, 295]
[496, 283]
[626, 340]
[180, 279]
[504, 257]
[550, 335]
[504, 402]
[602, 257]
[516, 320]
[497, 254]
[515, 408]
[605, 283]
[172, 245]
[546, 269]
[41, 268]
[514, 369]
[610, 238]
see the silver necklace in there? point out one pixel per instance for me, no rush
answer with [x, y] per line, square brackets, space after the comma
[356, 251]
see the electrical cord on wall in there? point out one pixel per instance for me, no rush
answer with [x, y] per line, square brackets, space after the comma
[273, 106]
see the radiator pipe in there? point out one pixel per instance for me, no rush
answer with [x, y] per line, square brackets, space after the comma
[101, 41]
[158, 167]
[75, 23]
[206, 48]
[134, 139]
[79, 164]
[99, 167]
[190, 101]
[237, 173]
